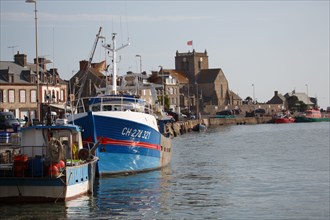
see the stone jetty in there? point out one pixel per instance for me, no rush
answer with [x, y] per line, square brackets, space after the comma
[181, 127]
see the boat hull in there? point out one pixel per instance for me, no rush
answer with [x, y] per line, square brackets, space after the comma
[284, 120]
[129, 141]
[307, 119]
[78, 180]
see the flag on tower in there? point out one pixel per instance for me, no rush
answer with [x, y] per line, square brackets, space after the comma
[190, 43]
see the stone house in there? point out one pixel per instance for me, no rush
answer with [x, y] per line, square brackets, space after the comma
[309, 101]
[172, 82]
[23, 94]
[235, 100]
[87, 79]
[278, 99]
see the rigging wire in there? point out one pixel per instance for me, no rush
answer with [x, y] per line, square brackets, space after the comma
[121, 31]
[126, 21]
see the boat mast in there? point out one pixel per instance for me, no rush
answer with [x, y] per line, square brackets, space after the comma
[114, 50]
[87, 68]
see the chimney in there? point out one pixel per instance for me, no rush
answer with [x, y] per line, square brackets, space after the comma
[20, 59]
[53, 71]
[42, 62]
[276, 93]
[83, 65]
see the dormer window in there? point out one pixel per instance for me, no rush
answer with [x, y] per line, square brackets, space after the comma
[11, 78]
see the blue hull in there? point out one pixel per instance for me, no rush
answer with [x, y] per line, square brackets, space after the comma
[125, 146]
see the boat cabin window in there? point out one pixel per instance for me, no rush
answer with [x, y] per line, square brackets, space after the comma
[95, 108]
[107, 108]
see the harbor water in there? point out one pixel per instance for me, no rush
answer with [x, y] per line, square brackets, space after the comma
[266, 171]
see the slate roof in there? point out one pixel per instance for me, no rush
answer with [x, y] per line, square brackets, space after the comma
[20, 73]
[277, 99]
[180, 76]
[235, 96]
[301, 97]
[208, 75]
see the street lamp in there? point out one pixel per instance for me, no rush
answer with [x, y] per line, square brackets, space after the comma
[140, 62]
[161, 71]
[197, 101]
[253, 92]
[37, 59]
[307, 94]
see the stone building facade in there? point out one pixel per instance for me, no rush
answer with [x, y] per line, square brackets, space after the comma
[21, 93]
[205, 87]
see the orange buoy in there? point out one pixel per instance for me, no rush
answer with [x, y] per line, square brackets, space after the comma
[53, 170]
[20, 165]
[61, 164]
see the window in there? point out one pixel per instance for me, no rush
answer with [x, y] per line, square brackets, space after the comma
[22, 96]
[1, 95]
[53, 96]
[34, 79]
[11, 96]
[62, 95]
[33, 96]
[46, 96]
[221, 92]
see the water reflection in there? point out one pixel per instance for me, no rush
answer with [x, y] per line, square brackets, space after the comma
[133, 195]
[238, 172]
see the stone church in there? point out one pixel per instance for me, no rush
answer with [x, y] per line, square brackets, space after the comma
[208, 87]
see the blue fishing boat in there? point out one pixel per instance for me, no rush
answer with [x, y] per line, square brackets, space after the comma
[126, 127]
[49, 165]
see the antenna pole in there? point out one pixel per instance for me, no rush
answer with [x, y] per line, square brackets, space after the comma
[114, 50]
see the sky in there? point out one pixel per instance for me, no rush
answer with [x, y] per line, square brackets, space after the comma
[261, 46]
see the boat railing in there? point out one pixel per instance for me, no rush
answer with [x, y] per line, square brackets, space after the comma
[117, 103]
[32, 162]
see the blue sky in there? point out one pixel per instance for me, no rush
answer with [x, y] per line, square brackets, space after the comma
[275, 45]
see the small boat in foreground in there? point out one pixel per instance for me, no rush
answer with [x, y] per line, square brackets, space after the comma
[312, 115]
[49, 165]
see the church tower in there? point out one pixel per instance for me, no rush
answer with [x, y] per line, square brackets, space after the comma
[191, 63]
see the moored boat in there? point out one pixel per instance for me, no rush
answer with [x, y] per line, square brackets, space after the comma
[49, 165]
[126, 127]
[312, 115]
[283, 118]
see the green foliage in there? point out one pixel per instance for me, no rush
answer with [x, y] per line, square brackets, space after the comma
[166, 101]
[302, 106]
[248, 98]
[292, 103]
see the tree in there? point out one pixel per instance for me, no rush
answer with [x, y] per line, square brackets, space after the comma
[248, 98]
[302, 106]
[292, 102]
[166, 101]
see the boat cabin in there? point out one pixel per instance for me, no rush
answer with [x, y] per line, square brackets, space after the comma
[119, 103]
[35, 140]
